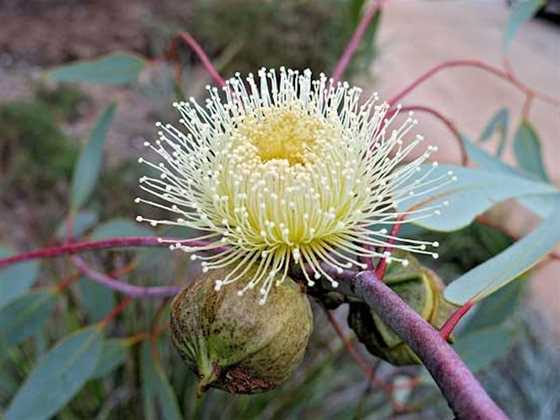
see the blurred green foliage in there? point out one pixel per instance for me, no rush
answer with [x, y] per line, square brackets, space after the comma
[246, 35]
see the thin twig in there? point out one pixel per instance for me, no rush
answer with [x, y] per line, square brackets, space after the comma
[130, 290]
[357, 36]
[496, 71]
[195, 46]
[449, 325]
[448, 123]
[117, 242]
[463, 392]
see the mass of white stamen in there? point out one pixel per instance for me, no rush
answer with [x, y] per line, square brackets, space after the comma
[283, 169]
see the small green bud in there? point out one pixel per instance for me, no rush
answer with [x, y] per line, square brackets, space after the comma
[234, 343]
[421, 289]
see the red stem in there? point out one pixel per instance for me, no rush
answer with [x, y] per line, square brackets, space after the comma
[195, 46]
[448, 123]
[505, 75]
[382, 265]
[76, 247]
[357, 36]
[116, 311]
[449, 325]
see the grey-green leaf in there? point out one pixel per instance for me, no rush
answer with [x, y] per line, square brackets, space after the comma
[113, 354]
[496, 308]
[521, 11]
[97, 300]
[118, 68]
[480, 349]
[88, 167]
[540, 204]
[120, 227]
[474, 192]
[498, 123]
[157, 390]
[84, 220]
[25, 316]
[15, 280]
[495, 273]
[57, 377]
[528, 151]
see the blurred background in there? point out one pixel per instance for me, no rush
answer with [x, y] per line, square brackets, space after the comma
[46, 118]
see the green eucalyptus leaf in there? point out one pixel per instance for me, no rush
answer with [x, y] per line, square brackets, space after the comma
[25, 316]
[113, 354]
[158, 395]
[58, 376]
[83, 220]
[88, 167]
[480, 349]
[496, 308]
[118, 68]
[542, 205]
[474, 192]
[498, 123]
[120, 227]
[528, 151]
[497, 272]
[98, 300]
[16, 279]
[521, 11]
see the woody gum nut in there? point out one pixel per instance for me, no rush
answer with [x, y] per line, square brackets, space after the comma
[234, 343]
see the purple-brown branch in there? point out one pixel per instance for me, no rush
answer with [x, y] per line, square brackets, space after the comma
[464, 394]
[132, 291]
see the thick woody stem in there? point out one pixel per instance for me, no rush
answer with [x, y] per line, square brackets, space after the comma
[464, 394]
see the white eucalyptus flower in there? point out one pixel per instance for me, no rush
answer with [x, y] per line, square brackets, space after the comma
[283, 170]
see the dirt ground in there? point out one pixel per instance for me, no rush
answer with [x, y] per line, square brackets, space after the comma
[417, 35]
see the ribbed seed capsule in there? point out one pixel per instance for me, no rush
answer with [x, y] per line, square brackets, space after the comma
[235, 344]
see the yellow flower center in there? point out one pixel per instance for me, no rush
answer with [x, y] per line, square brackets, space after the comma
[285, 134]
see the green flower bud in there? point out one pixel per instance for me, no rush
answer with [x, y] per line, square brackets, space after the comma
[421, 289]
[234, 343]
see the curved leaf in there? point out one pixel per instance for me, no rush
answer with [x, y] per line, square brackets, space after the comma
[495, 273]
[89, 164]
[15, 280]
[114, 69]
[25, 316]
[528, 151]
[542, 205]
[480, 349]
[474, 192]
[82, 222]
[498, 123]
[58, 376]
[113, 354]
[522, 11]
[120, 227]
[98, 300]
[156, 388]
